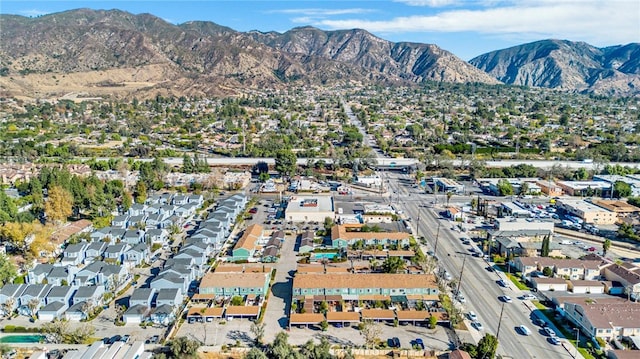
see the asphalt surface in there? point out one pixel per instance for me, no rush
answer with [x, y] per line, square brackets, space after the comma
[478, 285]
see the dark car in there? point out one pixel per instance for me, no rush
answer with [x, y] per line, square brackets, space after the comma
[394, 342]
[539, 322]
[420, 343]
[114, 339]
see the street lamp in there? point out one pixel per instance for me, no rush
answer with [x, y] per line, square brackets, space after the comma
[435, 248]
[577, 330]
[500, 322]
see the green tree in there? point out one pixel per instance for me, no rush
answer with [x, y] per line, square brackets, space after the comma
[264, 176]
[487, 347]
[505, 188]
[127, 200]
[7, 270]
[255, 353]
[286, 162]
[605, 246]
[237, 300]
[370, 331]
[392, 265]
[281, 349]
[140, 192]
[547, 271]
[433, 321]
[257, 329]
[621, 189]
[184, 347]
[546, 242]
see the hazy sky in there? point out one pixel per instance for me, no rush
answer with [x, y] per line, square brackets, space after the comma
[466, 28]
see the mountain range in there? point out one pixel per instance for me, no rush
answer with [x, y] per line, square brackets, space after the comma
[110, 52]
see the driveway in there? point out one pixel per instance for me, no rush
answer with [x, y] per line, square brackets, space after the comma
[279, 303]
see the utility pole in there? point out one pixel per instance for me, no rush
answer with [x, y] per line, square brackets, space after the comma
[500, 322]
[435, 248]
[461, 271]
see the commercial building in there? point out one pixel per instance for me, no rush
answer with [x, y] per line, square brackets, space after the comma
[447, 185]
[588, 212]
[310, 209]
[550, 188]
[633, 182]
[605, 320]
[584, 188]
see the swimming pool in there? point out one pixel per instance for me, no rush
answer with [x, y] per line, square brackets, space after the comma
[26, 338]
[326, 255]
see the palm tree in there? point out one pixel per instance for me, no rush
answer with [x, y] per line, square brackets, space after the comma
[449, 195]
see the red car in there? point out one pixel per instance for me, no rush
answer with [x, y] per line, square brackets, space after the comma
[592, 249]
[253, 210]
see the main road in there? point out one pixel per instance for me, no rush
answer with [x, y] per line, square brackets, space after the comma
[478, 285]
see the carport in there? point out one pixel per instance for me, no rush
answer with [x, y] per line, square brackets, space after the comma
[343, 317]
[413, 316]
[378, 315]
[305, 319]
[200, 298]
[241, 311]
[200, 314]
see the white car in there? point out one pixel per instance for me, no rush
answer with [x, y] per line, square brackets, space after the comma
[524, 330]
[472, 316]
[505, 298]
[476, 324]
[528, 296]
[461, 298]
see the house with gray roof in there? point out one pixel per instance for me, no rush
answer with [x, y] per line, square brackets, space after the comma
[60, 276]
[10, 293]
[61, 293]
[138, 221]
[163, 314]
[100, 234]
[186, 210]
[95, 250]
[33, 292]
[170, 280]
[142, 296]
[169, 296]
[157, 220]
[136, 209]
[121, 221]
[116, 234]
[157, 235]
[136, 314]
[91, 294]
[133, 237]
[52, 311]
[38, 273]
[116, 251]
[180, 200]
[197, 199]
[137, 254]
[74, 254]
[76, 312]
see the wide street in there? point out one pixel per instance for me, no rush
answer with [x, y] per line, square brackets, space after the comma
[478, 285]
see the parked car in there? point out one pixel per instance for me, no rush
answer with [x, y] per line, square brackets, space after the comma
[393, 342]
[472, 316]
[539, 322]
[420, 343]
[476, 324]
[125, 338]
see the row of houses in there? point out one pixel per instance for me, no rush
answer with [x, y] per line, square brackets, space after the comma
[158, 306]
[343, 236]
[50, 302]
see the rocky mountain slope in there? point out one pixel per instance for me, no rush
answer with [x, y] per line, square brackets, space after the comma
[566, 65]
[98, 53]
[411, 61]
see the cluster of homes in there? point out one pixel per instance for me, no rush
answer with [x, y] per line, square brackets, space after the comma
[341, 297]
[255, 246]
[86, 273]
[598, 296]
[214, 300]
